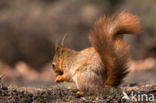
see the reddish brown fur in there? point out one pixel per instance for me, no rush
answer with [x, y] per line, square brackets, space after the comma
[104, 64]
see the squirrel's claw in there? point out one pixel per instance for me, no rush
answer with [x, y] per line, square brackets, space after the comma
[59, 78]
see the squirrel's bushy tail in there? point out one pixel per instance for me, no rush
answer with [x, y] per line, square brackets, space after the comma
[107, 39]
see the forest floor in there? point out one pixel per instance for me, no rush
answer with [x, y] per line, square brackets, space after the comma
[59, 94]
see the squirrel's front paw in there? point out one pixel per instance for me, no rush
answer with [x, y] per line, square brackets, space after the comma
[59, 78]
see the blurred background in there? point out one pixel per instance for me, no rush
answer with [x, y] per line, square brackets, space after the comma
[29, 30]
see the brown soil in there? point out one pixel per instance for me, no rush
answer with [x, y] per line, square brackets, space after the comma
[59, 94]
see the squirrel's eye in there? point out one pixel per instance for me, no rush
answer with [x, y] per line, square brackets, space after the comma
[53, 65]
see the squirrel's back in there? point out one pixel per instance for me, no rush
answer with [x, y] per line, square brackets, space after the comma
[87, 57]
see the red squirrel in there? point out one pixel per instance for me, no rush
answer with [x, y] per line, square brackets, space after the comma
[103, 64]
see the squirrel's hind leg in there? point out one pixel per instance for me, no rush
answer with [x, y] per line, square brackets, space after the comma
[88, 81]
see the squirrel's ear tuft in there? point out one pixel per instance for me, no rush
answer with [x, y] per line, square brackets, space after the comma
[60, 44]
[63, 38]
[58, 47]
